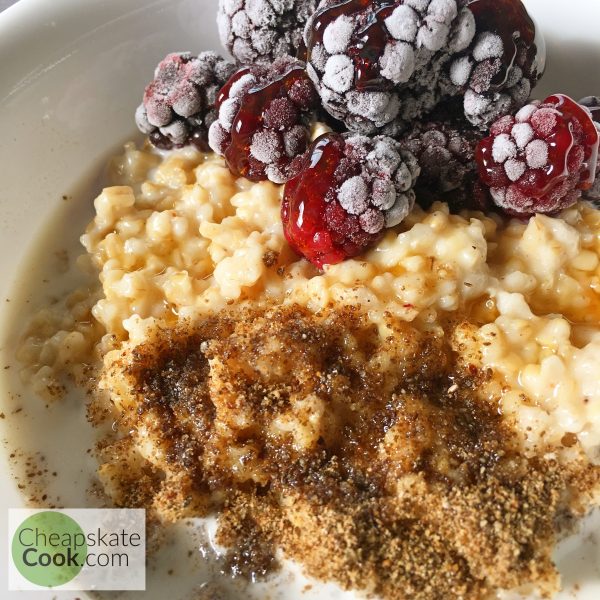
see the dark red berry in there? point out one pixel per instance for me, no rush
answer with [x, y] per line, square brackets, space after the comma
[178, 106]
[445, 151]
[260, 31]
[379, 65]
[540, 160]
[264, 120]
[502, 65]
[373, 61]
[349, 189]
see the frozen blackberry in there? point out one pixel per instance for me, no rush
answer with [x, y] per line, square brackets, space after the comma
[446, 154]
[263, 123]
[593, 104]
[349, 189]
[178, 105]
[376, 64]
[540, 160]
[379, 65]
[259, 31]
[503, 63]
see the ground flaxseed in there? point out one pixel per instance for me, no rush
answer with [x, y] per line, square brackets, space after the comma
[373, 457]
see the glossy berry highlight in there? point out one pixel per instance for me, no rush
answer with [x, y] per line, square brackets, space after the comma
[264, 120]
[349, 189]
[541, 159]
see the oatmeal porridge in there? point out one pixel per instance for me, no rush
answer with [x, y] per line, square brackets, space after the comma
[510, 308]
[348, 302]
[191, 239]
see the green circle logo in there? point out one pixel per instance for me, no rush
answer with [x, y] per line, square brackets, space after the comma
[49, 548]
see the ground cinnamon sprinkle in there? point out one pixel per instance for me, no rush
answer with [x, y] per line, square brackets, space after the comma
[370, 453]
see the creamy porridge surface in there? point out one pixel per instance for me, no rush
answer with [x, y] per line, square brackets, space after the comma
[180, 236]
[452, 370]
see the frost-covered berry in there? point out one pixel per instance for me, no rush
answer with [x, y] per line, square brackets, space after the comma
[379, 65]
[179, 104]
[263, 122]
[592, 103]
[259, 31]
[540, 160]
[445, 151]
[350, 188]
[503, 63]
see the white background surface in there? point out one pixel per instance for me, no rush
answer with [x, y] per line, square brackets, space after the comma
[72, 73]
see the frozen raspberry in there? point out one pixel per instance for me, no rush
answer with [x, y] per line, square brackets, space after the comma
[178, 105]
[593, 104]
[264, 120]
[503, 63]
[379, 65]
[540, 160]
[349, 189]
[445, 151]
[259, 31]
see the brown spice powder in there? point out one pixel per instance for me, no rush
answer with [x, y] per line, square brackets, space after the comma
[400, 477]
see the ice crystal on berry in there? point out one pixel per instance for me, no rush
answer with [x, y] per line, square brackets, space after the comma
[541, 159]
[263, 122]
[349, 189]
[381, 65]
[179, 104]
[260, 31]
[446, 154]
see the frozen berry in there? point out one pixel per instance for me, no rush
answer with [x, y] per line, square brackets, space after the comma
[593, 104]
[446, 154]
[376, 64]
[540, 160]
[349, 189]
[259, 31]
[379, 65]
[179, 104]
[502, 65]
[264, 120]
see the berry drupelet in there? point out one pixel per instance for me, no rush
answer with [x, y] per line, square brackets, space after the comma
[540, 160]
[350, 188]
[375, 63]
[503, 63]
[446, 154]
[379, 65]
[259, 31]
[179, 104]
[264, 116]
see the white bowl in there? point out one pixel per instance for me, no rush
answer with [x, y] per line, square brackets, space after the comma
[72, 73]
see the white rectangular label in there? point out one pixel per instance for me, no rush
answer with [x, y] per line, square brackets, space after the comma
[77, 549]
